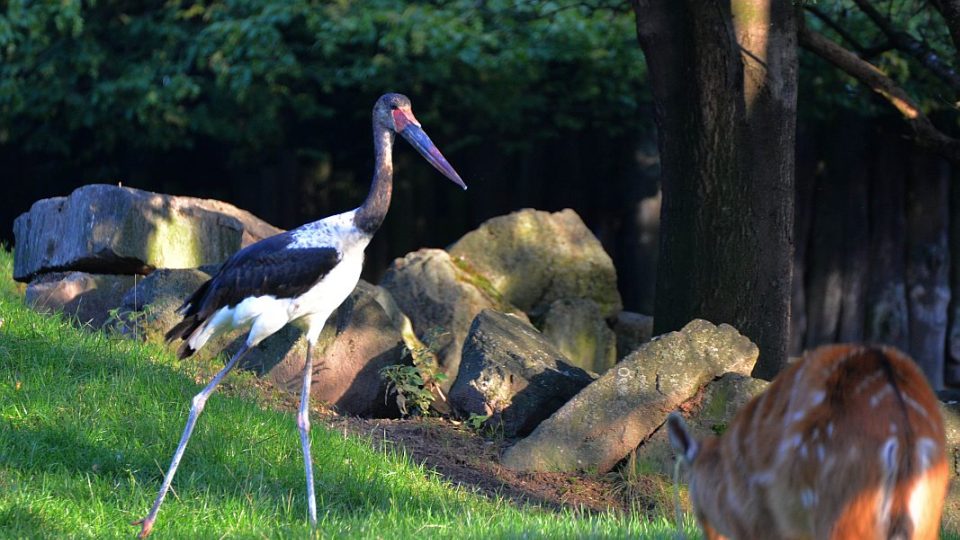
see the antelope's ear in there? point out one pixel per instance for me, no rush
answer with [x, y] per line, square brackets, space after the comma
[681, 440]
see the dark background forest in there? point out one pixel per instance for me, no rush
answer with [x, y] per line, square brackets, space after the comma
[537, 104]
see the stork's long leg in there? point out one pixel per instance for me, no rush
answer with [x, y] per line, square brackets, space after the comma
[303, 423]
[199, 401]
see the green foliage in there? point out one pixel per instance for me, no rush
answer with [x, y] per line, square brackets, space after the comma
[8, 287]
[118, 75]
[408, 384]
[829, 90]
[476, 421]
[120, 321]
[416, 385]
[719, 428]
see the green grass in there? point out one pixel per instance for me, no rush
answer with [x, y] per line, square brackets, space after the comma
[88, 423]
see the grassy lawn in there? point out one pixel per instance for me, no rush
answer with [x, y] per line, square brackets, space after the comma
[88, 423]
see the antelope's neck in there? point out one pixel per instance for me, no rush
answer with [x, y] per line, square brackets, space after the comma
[371, 213]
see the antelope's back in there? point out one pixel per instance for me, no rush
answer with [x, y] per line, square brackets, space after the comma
[846, 443]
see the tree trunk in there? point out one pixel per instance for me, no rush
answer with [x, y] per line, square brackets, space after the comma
[724, 79]
[928, 264]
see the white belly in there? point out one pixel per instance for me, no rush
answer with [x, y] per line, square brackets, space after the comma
[265, 315]
[316, 305]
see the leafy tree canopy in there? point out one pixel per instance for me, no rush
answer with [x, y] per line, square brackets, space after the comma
[902, 38]
[96, 77]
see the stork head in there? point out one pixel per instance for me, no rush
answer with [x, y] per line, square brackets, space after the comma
[393, 112]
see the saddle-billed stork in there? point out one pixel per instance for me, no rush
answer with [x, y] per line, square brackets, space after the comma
[300, 276]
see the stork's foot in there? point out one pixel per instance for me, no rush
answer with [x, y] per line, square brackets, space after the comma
[146, 525]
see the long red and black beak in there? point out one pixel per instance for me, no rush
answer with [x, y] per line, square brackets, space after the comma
[408, 126]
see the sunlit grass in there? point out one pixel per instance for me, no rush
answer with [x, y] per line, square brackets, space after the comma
[88, 423]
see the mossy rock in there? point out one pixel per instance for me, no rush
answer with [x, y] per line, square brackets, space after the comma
[577, 329]
[441, 297]
[532, 258]
[709, 415]
[108, 229]
[610, 417]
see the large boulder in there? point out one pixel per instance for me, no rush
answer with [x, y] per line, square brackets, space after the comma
[578, 330]
[254, 228]
[441, 298]
[533, 258]
[511, 374]
[87, 299]
[707, 415]
[609, 418]
[109, 229]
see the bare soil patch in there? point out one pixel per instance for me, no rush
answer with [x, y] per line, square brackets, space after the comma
[463, 457]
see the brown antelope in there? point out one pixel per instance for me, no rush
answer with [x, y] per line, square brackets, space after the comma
[847, 443]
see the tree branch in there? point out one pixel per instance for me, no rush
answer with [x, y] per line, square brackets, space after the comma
[840, 30]
[925, 134]
[915, 48]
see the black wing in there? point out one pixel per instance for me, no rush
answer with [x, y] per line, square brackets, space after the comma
[268, 267]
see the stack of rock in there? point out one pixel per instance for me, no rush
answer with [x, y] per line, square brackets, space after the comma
[522, 314]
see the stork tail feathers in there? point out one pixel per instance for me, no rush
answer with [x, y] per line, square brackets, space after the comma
[183, 330]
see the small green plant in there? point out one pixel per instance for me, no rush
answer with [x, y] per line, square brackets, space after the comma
[475, 422]
[125, 322]
[416, 385]
[408, 383]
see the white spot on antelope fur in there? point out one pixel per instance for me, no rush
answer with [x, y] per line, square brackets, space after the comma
[893, 428]
[821, 453]
[788, 445]
[927, 450]
[817, 398]
[888, 458]
[867, 381]
[915, 405]
[764, 478]
[808, 498]
[888, 453]
[829, 429]
[879, 396]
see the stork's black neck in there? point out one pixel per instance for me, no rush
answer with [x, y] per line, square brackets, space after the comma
[371, 213]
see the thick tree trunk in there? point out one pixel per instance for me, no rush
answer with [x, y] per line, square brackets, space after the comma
[724, 78]
[928, 264]
[887, 320]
